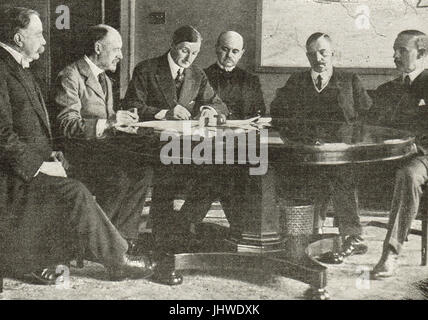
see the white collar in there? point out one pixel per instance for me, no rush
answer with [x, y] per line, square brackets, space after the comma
[414, 74]
[96, 71]
[18, 56]
[227, 69]
[325, 75]
[325, 78]
[174, 67]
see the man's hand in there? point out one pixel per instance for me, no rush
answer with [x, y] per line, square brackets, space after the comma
[178, 113]
[59, 156]
[122, 118]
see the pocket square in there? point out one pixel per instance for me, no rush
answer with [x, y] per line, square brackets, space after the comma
[421, 103]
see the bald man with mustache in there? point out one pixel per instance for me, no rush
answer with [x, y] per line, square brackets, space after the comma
[237, 88]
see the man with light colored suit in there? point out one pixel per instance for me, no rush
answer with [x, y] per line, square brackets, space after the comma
[44, 215]
[85, 97]
[402, 103]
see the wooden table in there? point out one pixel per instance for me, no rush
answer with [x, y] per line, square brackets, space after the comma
[290, 143]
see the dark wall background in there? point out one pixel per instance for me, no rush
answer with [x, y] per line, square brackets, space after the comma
[211, 18]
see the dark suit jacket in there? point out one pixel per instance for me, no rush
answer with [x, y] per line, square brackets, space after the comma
[352, 98]
[24, 145]
[152, 89]
[239, 90]
[81, 100]
[404, 109]
[24, 124]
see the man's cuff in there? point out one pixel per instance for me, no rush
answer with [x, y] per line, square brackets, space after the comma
[161, 114]
[101, 126]
[209, 108]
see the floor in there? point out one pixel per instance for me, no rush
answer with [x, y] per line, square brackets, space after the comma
[346, 281]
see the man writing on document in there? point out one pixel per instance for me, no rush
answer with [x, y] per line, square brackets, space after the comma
[86, 119]
[44, 215]
[171, 87]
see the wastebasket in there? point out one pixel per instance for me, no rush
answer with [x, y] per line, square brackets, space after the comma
[297, 217]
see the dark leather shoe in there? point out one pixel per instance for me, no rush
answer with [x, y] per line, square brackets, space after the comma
[133, 267]
[45, 276]
[172, 278]
[353, 245]
[331, 258]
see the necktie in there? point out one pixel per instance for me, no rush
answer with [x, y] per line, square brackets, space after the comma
[103, 82]
[406, 82]
[319, 82]
[179, 79]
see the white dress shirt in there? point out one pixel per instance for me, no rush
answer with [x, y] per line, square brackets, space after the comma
[325, 78]
[227, 69]
[414, 74]
[23, 61]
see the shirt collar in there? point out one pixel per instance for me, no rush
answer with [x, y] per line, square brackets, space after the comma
[325, 78]
[96, 71]
[18, 56]
[173, 66]
[414, 74]
[325, 75]
[227, 69]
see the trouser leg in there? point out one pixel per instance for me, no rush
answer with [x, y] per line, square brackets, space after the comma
[405, 202]
[345, 200]
[86, 219]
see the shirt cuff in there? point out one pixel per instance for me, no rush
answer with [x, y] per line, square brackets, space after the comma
[161, 114]
[100, 127]
[209, 108]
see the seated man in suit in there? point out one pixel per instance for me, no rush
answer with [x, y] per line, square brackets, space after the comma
[241, 92]
[402, 104]
[237, 88]
[327, 94]
[44, 215]
[84, 96]
[172, 87]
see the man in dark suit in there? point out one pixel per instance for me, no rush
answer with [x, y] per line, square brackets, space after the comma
[171, 87]
[241, 92]
[44, 215]
[84, 96]
[237, 88]
[403, 104]
[326, 94]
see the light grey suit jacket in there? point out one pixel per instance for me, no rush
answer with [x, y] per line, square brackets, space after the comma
[81, 100]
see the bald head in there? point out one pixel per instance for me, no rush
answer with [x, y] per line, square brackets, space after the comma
[229, 49]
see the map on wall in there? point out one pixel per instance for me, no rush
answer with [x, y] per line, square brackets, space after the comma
[363, 31]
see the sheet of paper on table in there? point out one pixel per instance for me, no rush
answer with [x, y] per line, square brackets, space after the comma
[182, 125]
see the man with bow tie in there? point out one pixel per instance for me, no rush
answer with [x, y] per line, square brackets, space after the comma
[237, 88]
[86, 119]
[324, 93]
[400, 103]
